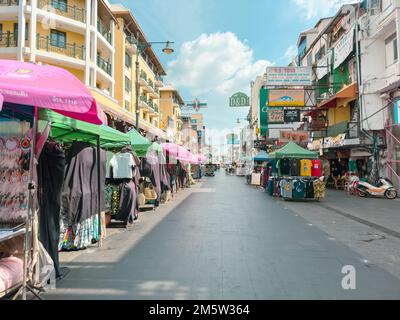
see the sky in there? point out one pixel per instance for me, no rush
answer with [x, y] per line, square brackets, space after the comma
[222, 45]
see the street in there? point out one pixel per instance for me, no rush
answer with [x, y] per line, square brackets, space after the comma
[223, 239]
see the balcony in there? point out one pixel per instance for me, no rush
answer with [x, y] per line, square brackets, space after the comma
[62, 9]
[104, 65]
[159, 81]
[104, 31]
[67, 49]
[143, 102]
[130, 42]
[8, 40]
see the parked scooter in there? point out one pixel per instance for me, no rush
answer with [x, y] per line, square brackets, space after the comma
[383, 188]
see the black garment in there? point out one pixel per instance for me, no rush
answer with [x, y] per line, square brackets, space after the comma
[81, 191]
[285, 167]
[309, 189]
[50, 181]
[150, 167]
[128, 202]
[295, 167]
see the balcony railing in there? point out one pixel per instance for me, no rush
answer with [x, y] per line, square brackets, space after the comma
[8, 40]
[155, 107]
[151, 83]
[68, 49]
[143, 75]
[131, 39]
[62, 9]
[104, 65]
[143, 98]
[104, 31]
[9, 3]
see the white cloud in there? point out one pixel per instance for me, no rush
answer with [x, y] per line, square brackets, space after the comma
[217, 63]
[320, 8]
[290, 53]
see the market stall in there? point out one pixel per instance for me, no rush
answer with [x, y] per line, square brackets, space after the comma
[25, 87]
[298, 174]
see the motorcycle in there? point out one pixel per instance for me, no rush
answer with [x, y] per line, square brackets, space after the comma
[383, 188]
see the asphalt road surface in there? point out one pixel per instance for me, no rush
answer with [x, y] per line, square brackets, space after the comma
[225, 240]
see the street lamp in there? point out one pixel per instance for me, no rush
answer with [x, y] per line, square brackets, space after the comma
[141, 47]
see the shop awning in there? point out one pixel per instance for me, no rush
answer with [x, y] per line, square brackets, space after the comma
[293, 150]
[342, 98]
[67, 130]
[139, 143]
[262, 156]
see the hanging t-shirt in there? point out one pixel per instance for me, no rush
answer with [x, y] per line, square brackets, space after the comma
[278, 167]
[289, 190]
[109, 156]
[295, 167]
[122, 164]
[285, 167]
[305, 168]
[299, 189]
[316, 169]
[310, 189]
[282, 185]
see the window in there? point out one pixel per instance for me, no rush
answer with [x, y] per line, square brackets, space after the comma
[61, 5]
[128, 60]
[309, 60]
[58, 38]
[391, 50]
[127, 84]
[320, 54]
[16, 31]
[127, 105]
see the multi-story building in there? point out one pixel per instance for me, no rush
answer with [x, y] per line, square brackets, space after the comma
[171, 104]
[93, 40]
[127, 34]
[380, 79]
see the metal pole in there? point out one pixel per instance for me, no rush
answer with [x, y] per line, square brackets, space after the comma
[99, 191]
[29, 217]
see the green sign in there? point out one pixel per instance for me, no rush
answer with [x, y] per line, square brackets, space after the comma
[264, 113]
[239, 100]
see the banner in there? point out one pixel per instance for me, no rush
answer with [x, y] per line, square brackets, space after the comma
[286, 98]
[289, 76]
[300, 137]
[264, 112]
[292, 115]
[276, 116]
[343, 48]
[323, 66]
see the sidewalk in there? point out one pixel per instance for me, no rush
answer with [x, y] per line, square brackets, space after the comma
[146, 221]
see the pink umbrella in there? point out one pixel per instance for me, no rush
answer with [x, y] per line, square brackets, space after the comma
[48, 87]
[1, 101]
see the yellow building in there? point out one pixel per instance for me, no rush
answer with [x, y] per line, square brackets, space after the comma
[91, 39]
[171, 103]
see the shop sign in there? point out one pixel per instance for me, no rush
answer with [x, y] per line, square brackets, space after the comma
[264, 113]
[289, 76]
[335, 142]
[292, 115]
[315, 145]
[343, 48]
[397, 112]
[239, 99]
[323, 66]
[276, 116]
[300, 137]
[286, 98]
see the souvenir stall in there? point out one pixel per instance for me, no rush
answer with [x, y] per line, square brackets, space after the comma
[196, 169]
[75, 157]
[298, 174]
[25, 87]
[261, 171]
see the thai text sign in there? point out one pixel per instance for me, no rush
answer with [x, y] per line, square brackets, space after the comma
[276, 116]
[343, 48]
[300, 137]
[289, 76]
[239, 100]
[286, 98]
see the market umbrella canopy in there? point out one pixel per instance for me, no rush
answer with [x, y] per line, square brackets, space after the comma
[48, 87]
[293, 150]
[1, 101]
[262, 156]
[68, 130]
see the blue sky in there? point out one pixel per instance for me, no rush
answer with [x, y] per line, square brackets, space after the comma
[221, 45]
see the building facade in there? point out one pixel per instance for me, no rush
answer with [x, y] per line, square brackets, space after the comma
[95, 41]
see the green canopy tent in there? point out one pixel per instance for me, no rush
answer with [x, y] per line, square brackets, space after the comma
[68, 130]
[139, 143]
[294, 151]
